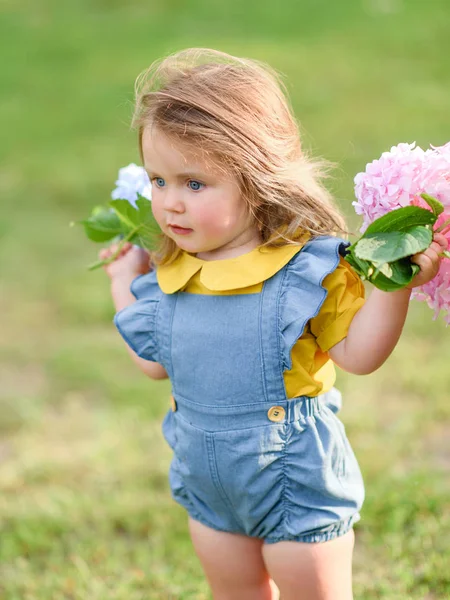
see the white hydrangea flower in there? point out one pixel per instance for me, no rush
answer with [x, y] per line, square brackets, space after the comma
[133, 180]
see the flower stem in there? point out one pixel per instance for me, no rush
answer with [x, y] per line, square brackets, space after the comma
[444, 225]
[112, 258]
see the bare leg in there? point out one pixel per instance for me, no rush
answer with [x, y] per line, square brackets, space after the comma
[312, 571]
[233, 564]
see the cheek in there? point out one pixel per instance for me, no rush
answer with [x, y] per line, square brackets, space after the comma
[216, 219]
[215, 222]
[157, 210]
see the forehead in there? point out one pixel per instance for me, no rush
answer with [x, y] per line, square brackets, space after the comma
[164, 154]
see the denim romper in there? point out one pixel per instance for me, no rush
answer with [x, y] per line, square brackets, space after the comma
[247, 459]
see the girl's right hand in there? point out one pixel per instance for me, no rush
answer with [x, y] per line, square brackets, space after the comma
[429, 261]
[131, 262]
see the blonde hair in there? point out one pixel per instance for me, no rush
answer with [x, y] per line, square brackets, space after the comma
[236, 111]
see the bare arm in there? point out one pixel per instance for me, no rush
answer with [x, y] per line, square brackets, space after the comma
[131, 263]
[377, 326]
[122, 297]
[373, 333]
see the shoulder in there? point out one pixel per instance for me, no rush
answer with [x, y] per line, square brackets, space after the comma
[317, 259]
[325, 246]
[303, 292]
[137, 322]
[321, 269]
[145, 286]
[320, 287]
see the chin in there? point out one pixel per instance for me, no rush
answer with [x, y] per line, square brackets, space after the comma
[193, 246]
[188, 246]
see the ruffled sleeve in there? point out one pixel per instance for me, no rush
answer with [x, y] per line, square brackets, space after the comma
[143, 286]
[137, 323]
[345, 296]
[305, 290]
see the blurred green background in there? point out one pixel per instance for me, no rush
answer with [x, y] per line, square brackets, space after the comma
[85, 510]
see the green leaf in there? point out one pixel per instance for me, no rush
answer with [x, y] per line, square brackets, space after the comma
[401, 271]
[382, 255]
[150, 232]
[391, 246]
[436, 206]
[102, 225]
[398, 275]
[138, 224]
[361, 267]
[401, 219]
[126, 212]
[385, 284]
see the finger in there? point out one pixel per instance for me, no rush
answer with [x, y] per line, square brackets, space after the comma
[423, 261]
[433, 255]
[125, 248]
[144, 256]
[440, 239]
[428, 267]
[141, 252]
[434, 247]
[433, 251]
[115, 247]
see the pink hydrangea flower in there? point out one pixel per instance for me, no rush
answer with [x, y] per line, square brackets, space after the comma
[436, 293]
[397, 179]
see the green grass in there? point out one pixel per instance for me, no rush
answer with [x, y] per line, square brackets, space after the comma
[85, 509]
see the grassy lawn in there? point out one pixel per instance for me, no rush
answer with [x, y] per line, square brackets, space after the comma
[85, 510]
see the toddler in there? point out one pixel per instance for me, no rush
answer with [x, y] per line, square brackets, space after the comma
[246, 307]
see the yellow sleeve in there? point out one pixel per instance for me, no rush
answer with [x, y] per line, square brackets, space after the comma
[345, 297]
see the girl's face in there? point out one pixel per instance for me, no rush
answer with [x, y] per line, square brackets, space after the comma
[194, 202]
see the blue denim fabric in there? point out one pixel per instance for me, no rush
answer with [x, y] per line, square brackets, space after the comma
[233, 468]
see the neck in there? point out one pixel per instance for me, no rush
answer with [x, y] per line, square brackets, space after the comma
[233, 249]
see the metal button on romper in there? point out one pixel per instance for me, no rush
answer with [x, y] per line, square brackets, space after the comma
[173, 404]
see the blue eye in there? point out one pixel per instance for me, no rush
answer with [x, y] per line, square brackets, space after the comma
[194, 185]
[159, 182]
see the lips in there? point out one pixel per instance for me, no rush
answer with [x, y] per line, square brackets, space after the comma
[179, 230]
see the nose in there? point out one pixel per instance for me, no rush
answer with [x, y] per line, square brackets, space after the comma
[172, 201]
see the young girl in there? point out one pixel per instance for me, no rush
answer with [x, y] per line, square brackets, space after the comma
[249, 305]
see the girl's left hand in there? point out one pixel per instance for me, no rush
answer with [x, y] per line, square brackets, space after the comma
[429, 261]
[131, 261]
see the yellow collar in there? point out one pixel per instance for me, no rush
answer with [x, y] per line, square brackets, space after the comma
[229, 274]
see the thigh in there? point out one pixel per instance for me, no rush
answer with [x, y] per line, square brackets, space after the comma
[318, 571]
[233, 564]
